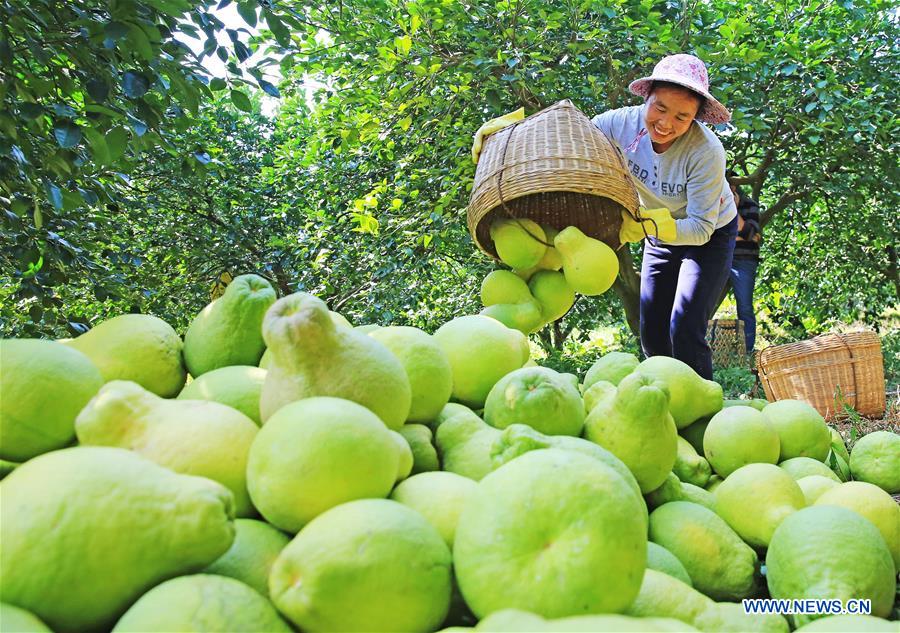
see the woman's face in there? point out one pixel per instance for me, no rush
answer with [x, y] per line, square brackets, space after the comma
[670, 112]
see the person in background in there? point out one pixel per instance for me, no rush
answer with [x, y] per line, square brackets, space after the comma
[746, 261]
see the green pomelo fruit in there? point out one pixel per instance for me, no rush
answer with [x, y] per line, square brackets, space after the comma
[136, 347]
[367, 565]
[450, 410]
[876, 460]
[738, 436]
[481, 351]
[43, 386]
[228, 331]
[405, 458]
[597, 393]
[589, 265]
[427, 368]
[524, 317]
[799, 467]
[573, 380]
[801, 429]
[721, 565]
[251, 556]
[553, 293]
[662, 560]
[874, 504]
[673, 489]
[813, 486]
[503, 286]
[7, 467]
[714, 482]
[636, 427]
[518, 439]
[694, 433]
[690, 396]
[520, 242]
[237, 387]
[311, 356]
[665, 596]
[755, 499]
[551, 260]
[516, 621]
[849, 624]
[828, 552]
[14, 619]
[538, 397]
[757, 403]
[368, 328]
[192, 437]
[689, 466]
[611, 367]
[464, 444]
[266, 359]
[202, 602]
[526, 273]
[838, 446]
[419, 438]
[91, 529]
[315, 454]
[340, 320]
[437, 496]
[555, 531]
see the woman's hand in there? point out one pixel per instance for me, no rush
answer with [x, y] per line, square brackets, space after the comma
[494, 125]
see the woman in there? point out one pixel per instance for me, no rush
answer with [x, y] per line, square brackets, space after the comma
[677, 164]
[678, 168]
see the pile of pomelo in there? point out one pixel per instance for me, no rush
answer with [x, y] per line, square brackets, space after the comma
[387, 479]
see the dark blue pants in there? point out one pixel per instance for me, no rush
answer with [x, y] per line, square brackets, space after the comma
[679, 288]
[743, 278]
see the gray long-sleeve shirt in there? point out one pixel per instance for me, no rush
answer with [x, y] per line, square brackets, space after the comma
[688, 179]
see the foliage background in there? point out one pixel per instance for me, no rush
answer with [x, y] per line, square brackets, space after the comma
[131, 176]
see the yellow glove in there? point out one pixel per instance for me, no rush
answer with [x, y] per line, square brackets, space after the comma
[633, 231]
[494, 125]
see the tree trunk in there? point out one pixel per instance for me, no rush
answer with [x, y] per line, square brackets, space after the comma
[628, 287]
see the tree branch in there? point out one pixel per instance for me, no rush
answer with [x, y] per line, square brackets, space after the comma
[783, 202]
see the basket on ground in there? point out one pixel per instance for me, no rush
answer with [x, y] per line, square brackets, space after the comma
[727, 342]
[828, 372]
[556, 168]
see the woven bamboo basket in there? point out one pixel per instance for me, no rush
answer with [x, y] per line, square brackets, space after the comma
[827, 371]
[727, 342]
[556, 168]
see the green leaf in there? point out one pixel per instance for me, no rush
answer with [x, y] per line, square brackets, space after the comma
[269, 88]
[116, 142]
[247, 10]
[31, 111]
[405, 123]
[115, 30]
[67, 134]
[99, 149]
[217, 83]
[135, 85]
[55, 195]
[97, 89]
[241, 51]
[139, 41]
[241, 101]
[279, 30]
[403, 44]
